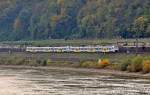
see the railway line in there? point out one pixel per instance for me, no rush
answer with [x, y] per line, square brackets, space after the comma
[121, 49]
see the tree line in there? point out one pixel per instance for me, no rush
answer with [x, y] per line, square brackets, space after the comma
[74, 19]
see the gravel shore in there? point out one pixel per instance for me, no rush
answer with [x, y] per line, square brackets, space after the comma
[86, 70]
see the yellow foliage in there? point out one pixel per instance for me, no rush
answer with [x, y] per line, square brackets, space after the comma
[146, 66]
[56, 18]
[49, 62]
[141, 19]
[17, 24]
[104, 62]
[61, 2]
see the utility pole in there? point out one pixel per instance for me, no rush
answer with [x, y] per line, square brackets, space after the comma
[137, 46]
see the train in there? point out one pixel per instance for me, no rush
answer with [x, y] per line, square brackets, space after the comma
[90, 49]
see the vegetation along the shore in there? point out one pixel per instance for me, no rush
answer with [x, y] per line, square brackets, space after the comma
[136, 64]
[130, 63]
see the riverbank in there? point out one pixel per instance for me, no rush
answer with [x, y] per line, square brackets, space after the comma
[109, 72]
[124, 65]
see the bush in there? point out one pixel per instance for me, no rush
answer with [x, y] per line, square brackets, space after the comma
[89, 64]
[103, 63]
[124, 65]
[49, 62]
[33, 62]
[136, 64]
[146, 66]
[2, 61]
[18, 61]
[39, 62]
[112, 66]
[14, 60]
[44, 63]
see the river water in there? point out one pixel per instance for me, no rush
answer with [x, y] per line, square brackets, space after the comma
[18, 81]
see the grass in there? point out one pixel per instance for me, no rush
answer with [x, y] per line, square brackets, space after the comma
[118, 61]
[61, 42]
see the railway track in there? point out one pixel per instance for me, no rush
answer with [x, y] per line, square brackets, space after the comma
[122, 49]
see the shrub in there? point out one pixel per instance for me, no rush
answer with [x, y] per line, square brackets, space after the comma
[89, 64]
[124, 65]
[44, 63]
[41, 62]
[49, 62]
[33, 62]
[18, 61]
[136, 64]
[146, 66]
[14, 60]
[112, 66]
[129, 68]
[105, 62]
[38, 61]
[2, 61]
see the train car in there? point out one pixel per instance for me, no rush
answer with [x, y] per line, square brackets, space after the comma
[110, 49]
[74, 49]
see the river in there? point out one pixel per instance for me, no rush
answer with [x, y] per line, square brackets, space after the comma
[27, 81]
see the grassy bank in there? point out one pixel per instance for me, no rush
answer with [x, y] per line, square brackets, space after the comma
[120, 62]
[73, 42]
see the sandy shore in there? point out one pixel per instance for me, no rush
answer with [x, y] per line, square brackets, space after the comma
[85, 70]
[7, 88]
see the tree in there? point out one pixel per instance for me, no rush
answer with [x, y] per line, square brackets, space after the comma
[140, 26]
[44, 19]
[17, 24]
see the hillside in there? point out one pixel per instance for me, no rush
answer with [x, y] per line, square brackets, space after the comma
[73, 19]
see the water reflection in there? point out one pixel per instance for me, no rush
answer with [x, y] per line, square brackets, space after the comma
[56, 82]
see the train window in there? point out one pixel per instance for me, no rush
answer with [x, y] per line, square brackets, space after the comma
[97, 48]
[82, 48]
[86, 49]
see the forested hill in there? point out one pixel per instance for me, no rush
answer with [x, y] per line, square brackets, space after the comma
[73, 19]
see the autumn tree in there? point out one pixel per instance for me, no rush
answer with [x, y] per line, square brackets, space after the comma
[17, 24]
[72, 19]
[139, 26]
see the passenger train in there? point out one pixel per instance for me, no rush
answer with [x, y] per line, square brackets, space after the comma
[62, 49]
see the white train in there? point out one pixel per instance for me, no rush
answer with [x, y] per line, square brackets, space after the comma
[74, 49]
